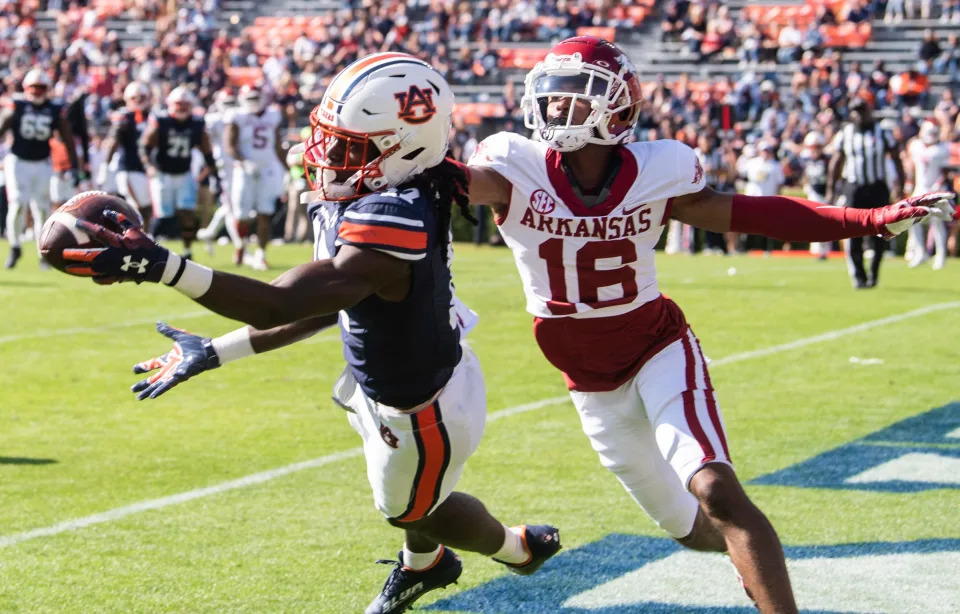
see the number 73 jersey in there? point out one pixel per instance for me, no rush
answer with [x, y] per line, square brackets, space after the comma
[579, 261]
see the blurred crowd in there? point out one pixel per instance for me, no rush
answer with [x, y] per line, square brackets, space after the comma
[727, 120]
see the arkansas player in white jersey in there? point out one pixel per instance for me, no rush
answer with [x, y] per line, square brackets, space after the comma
[223, 216]
[582, 212]
[252, 139]
[929, 157]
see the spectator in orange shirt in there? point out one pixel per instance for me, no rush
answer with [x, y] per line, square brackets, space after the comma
[910, 88]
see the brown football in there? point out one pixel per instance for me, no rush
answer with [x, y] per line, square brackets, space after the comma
[60, 232]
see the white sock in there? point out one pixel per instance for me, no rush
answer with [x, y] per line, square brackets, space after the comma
[216, 222]
[418, 561]
[513, 550]
[15, 224]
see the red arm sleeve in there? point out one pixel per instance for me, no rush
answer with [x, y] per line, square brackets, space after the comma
[796, 219]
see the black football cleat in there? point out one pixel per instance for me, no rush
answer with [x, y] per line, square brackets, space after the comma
[542, 541]
[404, 585]
[13, 257]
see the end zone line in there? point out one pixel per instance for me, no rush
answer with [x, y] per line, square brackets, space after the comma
[265, 476]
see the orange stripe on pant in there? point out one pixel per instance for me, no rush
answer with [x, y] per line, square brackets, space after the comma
[434, 446]
[382, 235]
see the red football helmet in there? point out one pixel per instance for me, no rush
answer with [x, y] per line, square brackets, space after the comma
[584, 68]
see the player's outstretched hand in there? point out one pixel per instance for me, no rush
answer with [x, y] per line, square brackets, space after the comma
[899, 216]
[191, 355]
[126, 256]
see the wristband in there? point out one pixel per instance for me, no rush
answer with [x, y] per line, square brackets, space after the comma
[187, 276]
[233, 346]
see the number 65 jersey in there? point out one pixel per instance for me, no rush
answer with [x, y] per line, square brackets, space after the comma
[588, 272]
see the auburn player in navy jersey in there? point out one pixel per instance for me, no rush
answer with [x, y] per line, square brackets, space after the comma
[27, 168]
[167, 151]
[381, 210]
[127, 126]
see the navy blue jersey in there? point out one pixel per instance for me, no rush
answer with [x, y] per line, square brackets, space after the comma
[128, 127]
[33, 126]
[401, 352]
[175, 142]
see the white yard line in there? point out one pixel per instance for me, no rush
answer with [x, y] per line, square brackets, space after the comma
[266, 476]
[46, 333]
[834, 334]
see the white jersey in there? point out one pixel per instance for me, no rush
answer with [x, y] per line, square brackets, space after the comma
[764, 177]
[216, 124]
[257, 134]
[587, 262]
[928, 163]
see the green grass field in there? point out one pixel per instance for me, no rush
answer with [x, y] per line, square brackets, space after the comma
[75, 442]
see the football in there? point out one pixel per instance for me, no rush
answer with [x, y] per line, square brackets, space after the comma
[60, 232]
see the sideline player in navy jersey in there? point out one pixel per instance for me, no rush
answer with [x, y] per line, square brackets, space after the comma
[166, 150]
[127, 127]
[381, 211]
[27, 168]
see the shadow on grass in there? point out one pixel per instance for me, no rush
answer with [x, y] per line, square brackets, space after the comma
[21, 460]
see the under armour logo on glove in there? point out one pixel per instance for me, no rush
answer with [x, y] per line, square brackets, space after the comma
[141, 266]
[894, 219]
[129, 255]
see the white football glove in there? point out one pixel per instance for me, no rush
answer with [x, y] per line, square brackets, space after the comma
[902, 215]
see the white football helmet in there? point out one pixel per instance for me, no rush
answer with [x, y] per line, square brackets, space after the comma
[929, 133]
[583, 68]
[223, 100]
[814, 139]
[36, 86]
[251, 99]
[180, 103]
[136, 96]
[383, 119]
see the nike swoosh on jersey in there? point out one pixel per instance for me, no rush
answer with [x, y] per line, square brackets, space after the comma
[637, 208]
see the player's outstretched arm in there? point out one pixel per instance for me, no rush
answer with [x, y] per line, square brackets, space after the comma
[485, 186]
[318, 288]
[796, 219]
[192, 354]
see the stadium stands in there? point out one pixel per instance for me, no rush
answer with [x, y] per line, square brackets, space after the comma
[740, 70]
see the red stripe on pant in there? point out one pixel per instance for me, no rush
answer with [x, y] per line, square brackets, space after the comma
[690, 406]
[434, 446]
[712, 403]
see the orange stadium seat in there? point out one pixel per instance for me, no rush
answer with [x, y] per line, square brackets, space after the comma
[846, 34]
[474, 113]
[639, 13]
[601, 31]
[244, 75]
[521, 57]
[781, 15]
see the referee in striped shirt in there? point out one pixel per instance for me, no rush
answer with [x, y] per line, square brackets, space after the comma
[860, 150]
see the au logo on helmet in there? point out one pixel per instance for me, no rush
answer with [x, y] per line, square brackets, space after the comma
[416, 105]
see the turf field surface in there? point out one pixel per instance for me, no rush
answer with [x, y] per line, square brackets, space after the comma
[115, 505]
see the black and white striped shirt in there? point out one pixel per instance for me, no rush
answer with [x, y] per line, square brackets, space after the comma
[865, 151]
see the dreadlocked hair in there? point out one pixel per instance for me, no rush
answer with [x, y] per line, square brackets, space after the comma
[448, 184]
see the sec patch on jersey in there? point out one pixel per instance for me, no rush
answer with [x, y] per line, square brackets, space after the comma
[60, 232]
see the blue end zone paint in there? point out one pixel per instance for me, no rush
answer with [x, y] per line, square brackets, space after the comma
[830, 469]
[575, 571]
